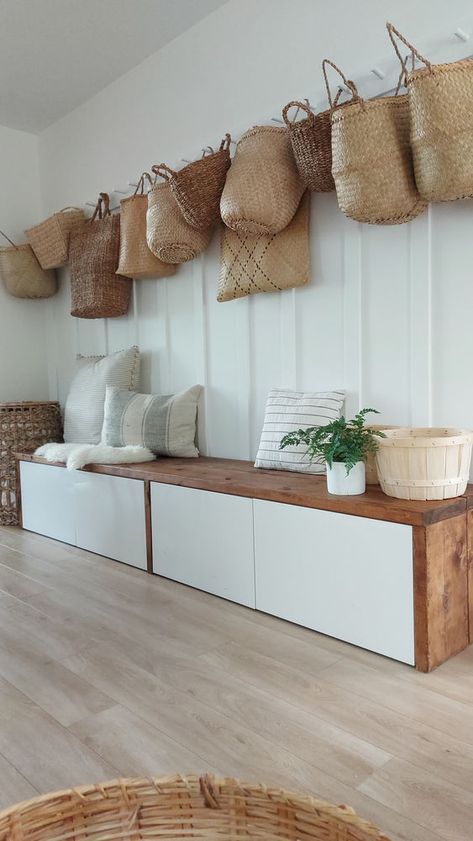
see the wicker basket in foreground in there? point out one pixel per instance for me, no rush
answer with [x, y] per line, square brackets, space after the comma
[23, 427]
[181, 807]
[425, 463]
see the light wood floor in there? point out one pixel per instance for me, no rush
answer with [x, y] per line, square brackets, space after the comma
[105, 672]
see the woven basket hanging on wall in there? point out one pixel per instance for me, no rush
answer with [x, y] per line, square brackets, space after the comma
[371, 158]
[441, 112]
[21, 273]
[311, 140]
[198, 187]
[263, 187]
[136, 260]
[168, 234]
[50, 239]
[96, 290]
[180, 807]
[266, 262]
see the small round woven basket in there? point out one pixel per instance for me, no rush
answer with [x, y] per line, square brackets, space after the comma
[168, 234]
[181, 807]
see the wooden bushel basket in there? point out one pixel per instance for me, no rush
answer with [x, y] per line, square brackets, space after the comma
[428, 463]
[181, 807]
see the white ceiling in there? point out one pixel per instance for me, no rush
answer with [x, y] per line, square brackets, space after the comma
[55, 54]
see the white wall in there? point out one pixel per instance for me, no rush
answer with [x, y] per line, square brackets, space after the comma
[23, 372]
[387, 313]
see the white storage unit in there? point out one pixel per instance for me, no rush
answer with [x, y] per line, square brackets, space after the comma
[348, 577]
[110, 517]
[103, 514]
[204, 539]
[47, 501]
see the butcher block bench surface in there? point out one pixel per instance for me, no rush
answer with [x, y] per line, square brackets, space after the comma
[241, 478]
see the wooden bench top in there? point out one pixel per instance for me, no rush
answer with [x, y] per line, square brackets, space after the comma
[241, 478]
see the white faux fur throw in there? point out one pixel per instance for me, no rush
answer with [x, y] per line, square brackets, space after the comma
[75, 456]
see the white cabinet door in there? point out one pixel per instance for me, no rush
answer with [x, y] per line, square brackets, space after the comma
[204, 539]
[110, 517]
[47, 501]
[345, 576]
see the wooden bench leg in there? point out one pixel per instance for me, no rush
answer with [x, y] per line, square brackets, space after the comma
[441, 609]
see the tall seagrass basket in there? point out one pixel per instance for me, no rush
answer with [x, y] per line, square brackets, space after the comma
[181, 807]
[23, 427]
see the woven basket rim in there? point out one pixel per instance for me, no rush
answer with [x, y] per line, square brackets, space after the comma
[460, 66]
[134, 197]
[344, 814]
[28, 403]
[257, 129]
[358, 106]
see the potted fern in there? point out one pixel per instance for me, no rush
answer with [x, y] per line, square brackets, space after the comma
[345, 446]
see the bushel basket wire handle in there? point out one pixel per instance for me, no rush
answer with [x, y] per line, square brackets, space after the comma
[393, 34]
[347, 82]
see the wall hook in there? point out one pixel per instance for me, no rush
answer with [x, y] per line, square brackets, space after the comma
[462, 35]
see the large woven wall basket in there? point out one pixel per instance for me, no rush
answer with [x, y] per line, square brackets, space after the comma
[263, 187]
[179, 807]
[97, 291]
[198, 186]
[372, 161]
[50, 239]
[441, 125]
[251, 264]
[21, 273]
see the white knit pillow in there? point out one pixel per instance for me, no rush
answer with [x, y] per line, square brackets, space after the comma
[83, 416]
[287, 411]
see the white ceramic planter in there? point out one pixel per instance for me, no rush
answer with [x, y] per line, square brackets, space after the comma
[339, 483]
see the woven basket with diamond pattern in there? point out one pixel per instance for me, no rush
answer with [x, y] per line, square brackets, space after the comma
[250, 264]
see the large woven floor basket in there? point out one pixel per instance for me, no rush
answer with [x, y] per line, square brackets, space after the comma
[428, 463]
[181, 807]
[23, 427]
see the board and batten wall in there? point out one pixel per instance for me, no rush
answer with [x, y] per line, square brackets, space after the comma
[387, 313]
[23, 372]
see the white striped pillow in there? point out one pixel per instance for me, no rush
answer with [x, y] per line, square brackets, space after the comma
[83, 415]
[290, 410]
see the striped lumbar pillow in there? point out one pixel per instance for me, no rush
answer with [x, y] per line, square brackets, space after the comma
[165, 424]
[83, 414]
[290, 410]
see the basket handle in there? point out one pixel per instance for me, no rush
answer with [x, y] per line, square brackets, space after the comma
[8, 239]
[208, 792]
[164, 171]
[145, 176]
[349, 84]
[393, 34]
[225, 143]
[301, 106]
[102, 208]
